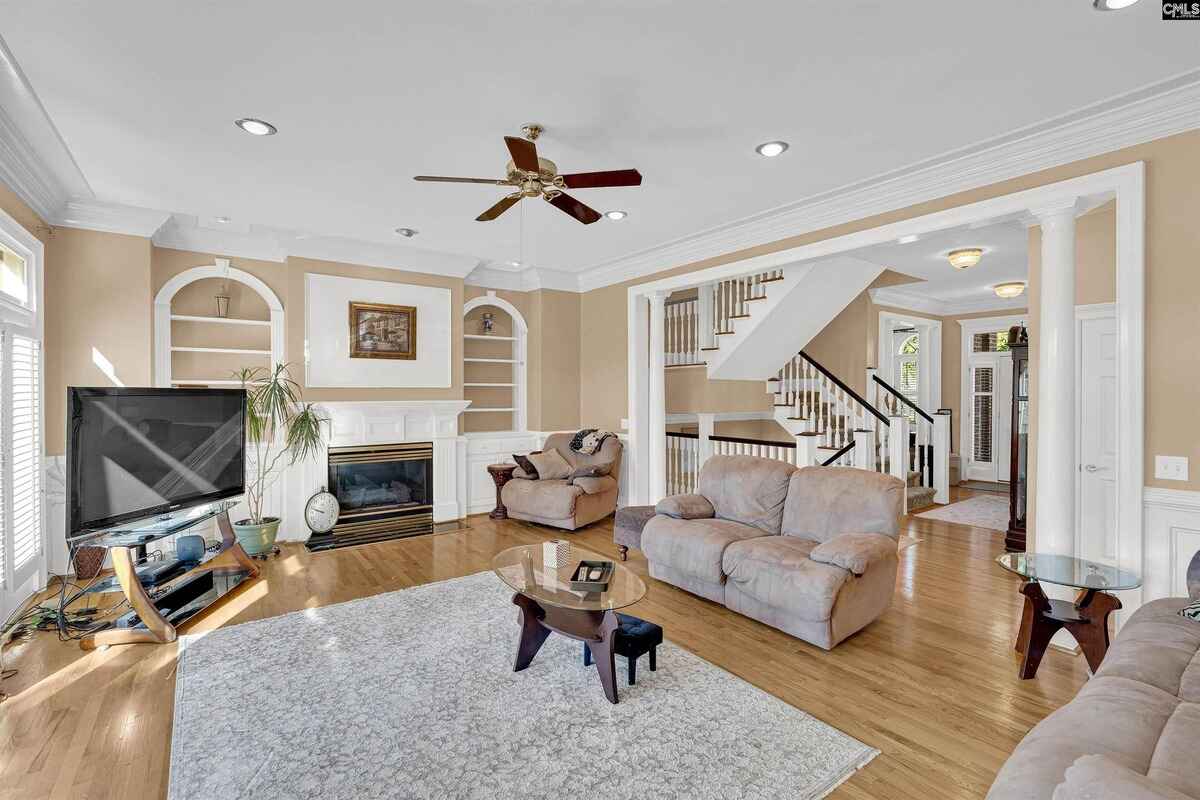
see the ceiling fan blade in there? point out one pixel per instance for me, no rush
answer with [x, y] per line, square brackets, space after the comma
[523, 152]
[568, 204]
[505, 204]
[443, 179]
[597, 180]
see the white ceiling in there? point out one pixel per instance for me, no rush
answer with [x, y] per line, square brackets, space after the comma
[1005, 258]
[367, 94]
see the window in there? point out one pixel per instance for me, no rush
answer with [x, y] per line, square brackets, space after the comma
[991, 342]
[22, 534]
[14, 276]
[907, 372]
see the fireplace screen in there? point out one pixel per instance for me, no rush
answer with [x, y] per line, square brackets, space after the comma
[372, 479]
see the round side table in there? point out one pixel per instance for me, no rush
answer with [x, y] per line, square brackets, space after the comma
[501, 474]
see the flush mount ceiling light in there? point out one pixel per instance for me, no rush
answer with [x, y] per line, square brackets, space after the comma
[615, 215]
[1112, 5]
[771, 149]
[407, 233]
[1009, 290]
[256, 127]
[964, 258]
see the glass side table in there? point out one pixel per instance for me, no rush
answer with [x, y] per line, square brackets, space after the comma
[1086, 619]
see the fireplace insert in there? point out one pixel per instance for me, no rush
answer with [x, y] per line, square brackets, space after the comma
[385, 492]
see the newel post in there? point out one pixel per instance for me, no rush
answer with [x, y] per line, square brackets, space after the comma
[806, 448]
[941, 457]
[705, 444]
[864, 449]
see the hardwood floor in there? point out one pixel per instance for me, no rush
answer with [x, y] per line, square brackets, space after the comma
[932, 684]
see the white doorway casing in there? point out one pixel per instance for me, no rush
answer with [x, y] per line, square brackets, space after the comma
[1001, 364]
[1125, 184]
[929, 356]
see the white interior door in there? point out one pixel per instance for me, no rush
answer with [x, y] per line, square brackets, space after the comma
[1096, 495]
[1002, 426]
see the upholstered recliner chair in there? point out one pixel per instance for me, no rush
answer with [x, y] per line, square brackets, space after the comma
[809, 551]
[567, 503]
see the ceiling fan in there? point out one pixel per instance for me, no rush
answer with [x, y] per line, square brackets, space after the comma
[533, 176]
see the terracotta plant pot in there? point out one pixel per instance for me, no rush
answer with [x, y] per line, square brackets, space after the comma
[257, 539]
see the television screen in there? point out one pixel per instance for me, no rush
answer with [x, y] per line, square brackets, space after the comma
[134, 453]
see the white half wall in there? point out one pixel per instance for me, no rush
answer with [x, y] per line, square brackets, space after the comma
[327, 361]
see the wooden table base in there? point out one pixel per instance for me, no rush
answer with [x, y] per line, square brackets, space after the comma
[1086, 619]
[596, 628]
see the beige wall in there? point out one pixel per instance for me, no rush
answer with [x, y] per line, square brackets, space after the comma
[97, 296]
[689, 391]
[1172, 289]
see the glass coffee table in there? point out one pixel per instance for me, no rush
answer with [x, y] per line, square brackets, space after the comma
[1086, 619]
[548, 605]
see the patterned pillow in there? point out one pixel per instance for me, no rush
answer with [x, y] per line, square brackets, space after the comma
[1191, 611]
[527, 467]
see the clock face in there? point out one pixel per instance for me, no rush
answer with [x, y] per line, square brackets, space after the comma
[321, 513]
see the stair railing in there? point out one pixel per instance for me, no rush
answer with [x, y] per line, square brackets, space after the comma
[692, 325]
[681, 333]
[929, 436]
[730, 297]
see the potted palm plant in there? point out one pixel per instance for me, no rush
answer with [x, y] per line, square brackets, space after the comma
[280, 430]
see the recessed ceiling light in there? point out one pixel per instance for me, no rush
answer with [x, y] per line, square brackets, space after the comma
[1112, 5]
[615, 215]
[1009, 290]
[771, 149]
[514, 263]
[223, 220]
[967, 257]
[912, 237]
[407, 233]
[256, 127]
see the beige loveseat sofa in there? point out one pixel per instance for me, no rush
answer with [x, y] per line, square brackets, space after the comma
[1132, 731]
[567, 503]
[809, 551]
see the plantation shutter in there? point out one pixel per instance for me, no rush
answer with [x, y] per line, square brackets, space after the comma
[21, 463]
[982, 416]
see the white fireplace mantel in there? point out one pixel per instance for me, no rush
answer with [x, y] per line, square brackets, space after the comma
[390, 421]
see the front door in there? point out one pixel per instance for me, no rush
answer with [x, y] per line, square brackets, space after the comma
[1096, 497]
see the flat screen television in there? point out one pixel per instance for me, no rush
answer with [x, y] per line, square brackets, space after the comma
[136, 453]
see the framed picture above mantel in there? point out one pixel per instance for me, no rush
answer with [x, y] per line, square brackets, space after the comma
[379, 330]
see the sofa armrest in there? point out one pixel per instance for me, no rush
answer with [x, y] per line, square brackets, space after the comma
[855, 552]
[1095, 777]
[596, 485]
[686, 506]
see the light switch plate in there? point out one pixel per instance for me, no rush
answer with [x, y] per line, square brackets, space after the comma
[1171, 468]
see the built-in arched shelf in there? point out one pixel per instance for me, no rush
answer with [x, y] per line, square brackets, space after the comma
[212, 346]
[494, 367]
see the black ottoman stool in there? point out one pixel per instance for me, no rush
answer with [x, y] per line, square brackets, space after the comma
[633, 638]
[627, 527]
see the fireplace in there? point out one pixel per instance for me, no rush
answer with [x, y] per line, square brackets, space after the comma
[385, 492]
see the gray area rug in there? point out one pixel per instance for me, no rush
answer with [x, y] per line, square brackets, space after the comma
[411, 694]
[982, 511]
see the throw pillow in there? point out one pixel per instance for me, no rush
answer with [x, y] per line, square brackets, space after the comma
[550, 465]
[526, 466]
[1191, 611]
[591, 470]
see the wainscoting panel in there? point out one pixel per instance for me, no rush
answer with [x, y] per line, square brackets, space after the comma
[1172, 538]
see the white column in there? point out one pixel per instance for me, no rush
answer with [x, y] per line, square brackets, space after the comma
[704, 443]
[1055, 488]
[658, 399]
[636, 464]
[941, 457]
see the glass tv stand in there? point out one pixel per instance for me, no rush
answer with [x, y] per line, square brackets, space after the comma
[154, 618]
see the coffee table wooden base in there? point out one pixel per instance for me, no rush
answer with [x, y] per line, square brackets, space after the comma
[1086, 619]
[596, 628]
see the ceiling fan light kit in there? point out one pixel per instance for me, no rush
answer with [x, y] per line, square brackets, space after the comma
[533, 176]
[964, 258]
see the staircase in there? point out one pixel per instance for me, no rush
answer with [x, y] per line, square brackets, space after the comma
[743, 328]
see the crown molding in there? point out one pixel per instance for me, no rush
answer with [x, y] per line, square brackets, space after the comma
[915, 301]
[1143, 115]
[109, 217]
[530, 279]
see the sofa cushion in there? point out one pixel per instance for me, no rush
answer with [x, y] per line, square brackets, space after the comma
[1100, 778]
[825, 501]
[550, 464]
[604, 483]
[549, 499]
[777, 571]
[686, 506]
[746, 489]
[1158, 647]
[693, 546]
[590, 471]
[854, 551]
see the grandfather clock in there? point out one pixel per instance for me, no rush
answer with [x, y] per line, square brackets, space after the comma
[1018, 483]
